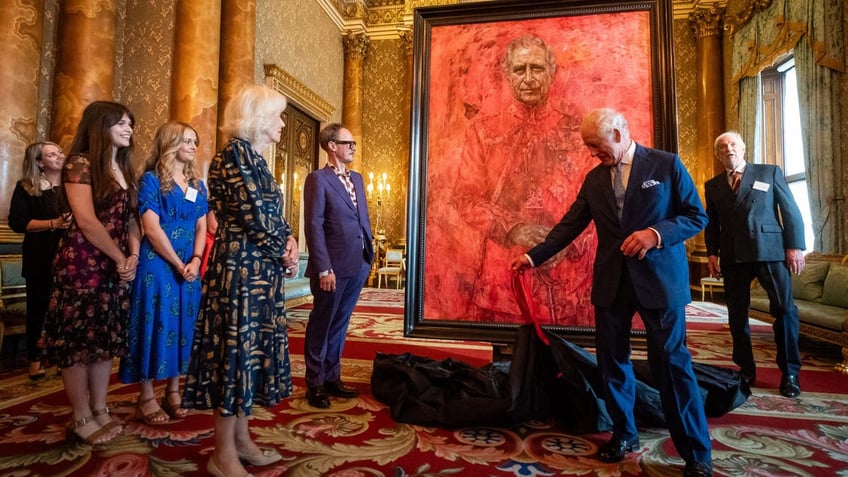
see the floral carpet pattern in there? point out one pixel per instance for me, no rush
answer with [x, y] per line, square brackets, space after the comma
[769, 435]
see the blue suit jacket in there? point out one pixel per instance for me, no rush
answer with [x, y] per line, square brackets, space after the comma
[338, 234]
[660, 194]
[756, 225]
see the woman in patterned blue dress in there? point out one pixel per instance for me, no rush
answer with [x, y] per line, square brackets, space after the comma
[166, 292]
[94, 268]
[240, 353]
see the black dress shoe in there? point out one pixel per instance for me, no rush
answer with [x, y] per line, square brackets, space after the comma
[789, 385]
[698, 469]
[615, 449]
[340, 389]
[317, 397]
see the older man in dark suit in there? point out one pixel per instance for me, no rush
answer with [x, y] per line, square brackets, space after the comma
[340, 243]
[755, 231]
[644, 205]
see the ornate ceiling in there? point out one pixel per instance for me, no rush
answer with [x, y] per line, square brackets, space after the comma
[385, 19]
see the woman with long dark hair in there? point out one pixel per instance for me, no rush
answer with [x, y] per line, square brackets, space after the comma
[94, 267]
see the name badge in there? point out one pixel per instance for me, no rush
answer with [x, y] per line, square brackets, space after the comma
[191, 194]
[761, 186]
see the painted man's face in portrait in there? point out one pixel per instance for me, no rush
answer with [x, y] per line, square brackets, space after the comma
[530, 75]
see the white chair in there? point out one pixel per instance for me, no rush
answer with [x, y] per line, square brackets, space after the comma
[394, 266]
[710, 283]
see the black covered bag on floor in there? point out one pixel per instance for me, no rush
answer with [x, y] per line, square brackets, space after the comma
[446, 393]
[722, 389]
[561, 379]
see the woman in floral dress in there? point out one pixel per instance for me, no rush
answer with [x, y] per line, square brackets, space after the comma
[94, 268]
[166, 291]
[240, 352]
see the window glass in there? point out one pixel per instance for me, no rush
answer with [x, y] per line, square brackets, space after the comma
[793, 145]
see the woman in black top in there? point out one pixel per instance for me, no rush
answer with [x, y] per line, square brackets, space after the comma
[34, 212]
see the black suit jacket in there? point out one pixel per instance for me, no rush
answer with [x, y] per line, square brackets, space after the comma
[759, 223]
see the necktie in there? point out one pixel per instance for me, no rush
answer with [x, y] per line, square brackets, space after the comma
[618, 189]
[735, 179]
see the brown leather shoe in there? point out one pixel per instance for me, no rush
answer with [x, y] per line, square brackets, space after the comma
[340, 389]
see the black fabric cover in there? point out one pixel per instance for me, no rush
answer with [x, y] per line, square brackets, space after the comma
[422, 391]
[557, 379]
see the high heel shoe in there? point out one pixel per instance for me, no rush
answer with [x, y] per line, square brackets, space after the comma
[71, 433]
[216, 471]
[155, 418]
[264, 457]
[174, 410]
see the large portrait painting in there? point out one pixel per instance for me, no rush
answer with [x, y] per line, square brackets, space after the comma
[497, 158]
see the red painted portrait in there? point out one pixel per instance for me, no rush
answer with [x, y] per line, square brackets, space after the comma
[505, 159]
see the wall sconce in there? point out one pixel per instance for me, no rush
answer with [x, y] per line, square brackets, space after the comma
[383, 189]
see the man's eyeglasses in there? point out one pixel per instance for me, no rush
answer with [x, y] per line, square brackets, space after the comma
[189, 142]
[349, 143]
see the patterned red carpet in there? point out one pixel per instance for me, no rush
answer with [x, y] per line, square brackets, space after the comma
[767, 436]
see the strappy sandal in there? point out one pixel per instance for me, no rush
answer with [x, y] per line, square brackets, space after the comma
[108, 413]
[174, 410]
[155, 418]
[71, 433]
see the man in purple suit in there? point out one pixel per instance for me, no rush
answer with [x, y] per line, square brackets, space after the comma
[340, 244]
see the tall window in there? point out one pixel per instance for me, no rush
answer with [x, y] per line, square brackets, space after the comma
[781, 134]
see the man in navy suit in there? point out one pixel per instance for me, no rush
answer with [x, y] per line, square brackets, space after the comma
[755, 231]
[640, 265]
[340, 245]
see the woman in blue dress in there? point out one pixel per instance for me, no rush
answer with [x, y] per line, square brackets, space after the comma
[240, 355]
[166, 292]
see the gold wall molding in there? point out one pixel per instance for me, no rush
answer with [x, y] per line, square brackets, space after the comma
[737, 20]
[384, 19]
[299, 93]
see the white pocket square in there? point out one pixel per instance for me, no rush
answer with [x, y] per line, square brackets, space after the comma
[650, 183]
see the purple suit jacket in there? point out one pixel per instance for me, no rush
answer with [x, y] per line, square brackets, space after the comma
[338, 234]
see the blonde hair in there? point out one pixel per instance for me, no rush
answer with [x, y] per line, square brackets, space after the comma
[32, 172]
[163, 156]
[251, 110]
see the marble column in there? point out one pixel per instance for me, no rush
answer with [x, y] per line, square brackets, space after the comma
[707, 27]
[194, 83]
[20, 36]
[355, 48]
[407, 44]
[706, 24]
[85, 63]
[238, 50]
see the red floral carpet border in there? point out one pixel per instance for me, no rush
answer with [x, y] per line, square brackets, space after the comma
[768, 436]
